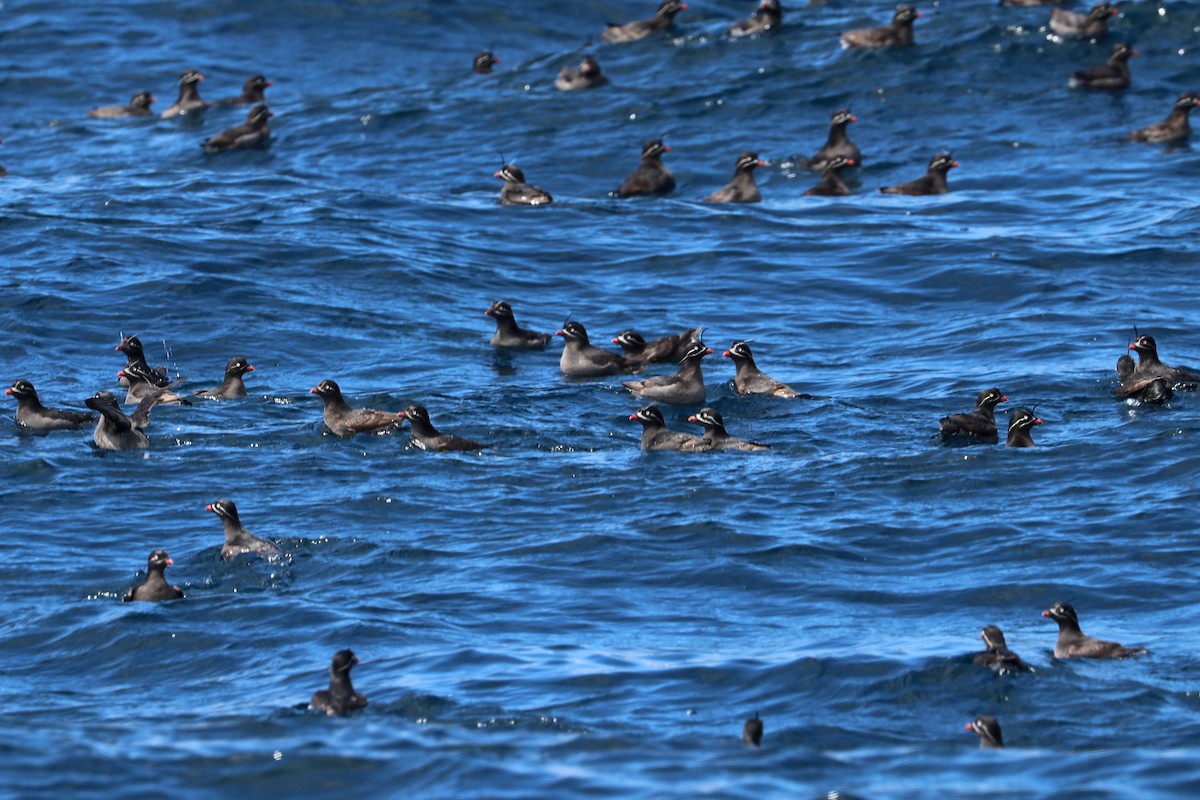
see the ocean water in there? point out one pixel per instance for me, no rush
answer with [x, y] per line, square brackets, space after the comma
[563, 615]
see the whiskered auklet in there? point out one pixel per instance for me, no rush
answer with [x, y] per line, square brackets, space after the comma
[115, 430]
[135, 356]
[510, 334]
[1089, 25]
[997, 656]
[651, 176]
[140, 382]
[685, 387]
[139, 106]
[897, 33]
[581, 359]
[657, 436]
[976, 426]
[156, 587]
[233, 385]
[586, 76]
[516, 192]
[988, 730]
[752, 731]
[767, 17]
[831, 184]
[238, 540]
[340, 698]
[1112, 75]
[1072, 643]
[662, 21]
[428, 437]
[342, 419]
[932, 182]
[255, 132]
[670, 348]
[1149, 366]
[1175, 127]
[749, 379]
[33, 415]
[1020, 428]
[484, 61]
[837, 143]
[189, 101]
[716, 435]
[252, 93]
[741, 188]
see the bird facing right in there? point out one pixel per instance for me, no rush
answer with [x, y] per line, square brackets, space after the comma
[340, 698]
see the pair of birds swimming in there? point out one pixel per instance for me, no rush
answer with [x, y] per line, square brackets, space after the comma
[255, 132]
[238, 541]
[1071, 643]
[978, 426]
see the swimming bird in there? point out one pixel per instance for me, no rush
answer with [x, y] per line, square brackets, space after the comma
[837, 143]
[996, 655]
[932, 182]
[685, 387]
[115, 430]
[657, 436]
[342, 419]
[1149, 366]
[749, 379]
[510, 334]
[717, 437]
[741, 188]
[139, 106]
[662, 21]
[897, 33]
[33, 415]
[988, 730]
[238, 540]
[254, 133]
[767, 17]
[340, 698]
[428, 437]
[1020, 427]
[233, 385]
[484, 60]
[752, 731]
[252, 93]
[135, 356]
[1149, 388]
[1072, 643]
[189, 101]
[651, 176]
[586, 76]
[976, 426]
[1090, 25]
[140, 381]
[670, 348]
[156, 587]
[516, 192]
[1175, 127]
[1112, 75]
[831, 184]
[581, 359]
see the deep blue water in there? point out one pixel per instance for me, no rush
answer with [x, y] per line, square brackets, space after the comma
[565, 616]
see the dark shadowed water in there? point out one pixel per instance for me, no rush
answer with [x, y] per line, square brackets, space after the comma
[562, 615]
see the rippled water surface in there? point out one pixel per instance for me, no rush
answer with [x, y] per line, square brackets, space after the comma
[562, 615]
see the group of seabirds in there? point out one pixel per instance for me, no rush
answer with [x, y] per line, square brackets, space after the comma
[839, 153]
[652, 177]
[1146, 380]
